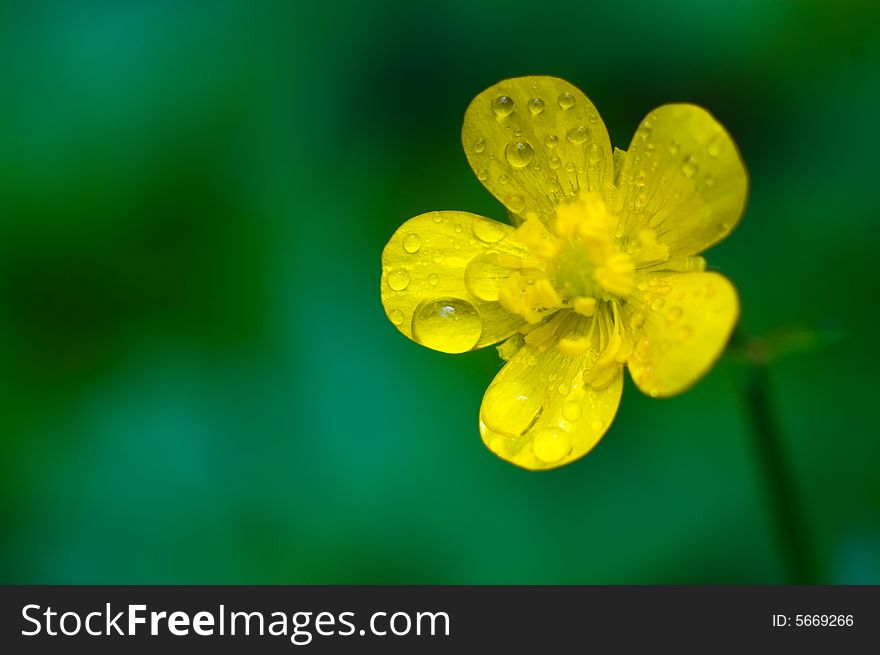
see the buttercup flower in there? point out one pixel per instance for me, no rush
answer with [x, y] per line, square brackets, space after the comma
[600, 269]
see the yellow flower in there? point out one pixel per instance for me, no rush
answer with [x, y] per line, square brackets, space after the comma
[600, 269]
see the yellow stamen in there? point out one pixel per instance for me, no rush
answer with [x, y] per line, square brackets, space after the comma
[585, 306]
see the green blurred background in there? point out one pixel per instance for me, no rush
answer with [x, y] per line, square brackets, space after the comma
[198, 381]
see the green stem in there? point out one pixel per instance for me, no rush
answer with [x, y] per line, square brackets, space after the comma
[779, 482]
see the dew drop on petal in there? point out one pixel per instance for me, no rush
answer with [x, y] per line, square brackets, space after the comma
[554, 162]
[566, 100]
[487, 230]
[412, 242]
[571, 411]
[398, 279]
[577, 135]
[502, 106]
[433, 279]
[450, 325]
[487, 273]
[597, 425]
[396, 316]
[551, 445]
[519, 154]
[714, 147]
[510, 407]
[479, 145]
[689, 167]
[536, 106]
[551, 141]
[516, 203]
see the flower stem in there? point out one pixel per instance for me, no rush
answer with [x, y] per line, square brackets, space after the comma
[754, 387]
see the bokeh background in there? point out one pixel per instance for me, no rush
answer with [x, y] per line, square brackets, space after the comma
[199, 384]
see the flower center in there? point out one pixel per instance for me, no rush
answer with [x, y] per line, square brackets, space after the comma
[579, 260]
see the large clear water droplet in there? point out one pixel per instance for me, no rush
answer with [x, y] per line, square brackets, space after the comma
[510, 407]
[486, 274]
[577, 135]
[551, 445]
[536, 106]
[566, 100]
[412, 242]
[487, 230]
[450, 325]
[398, 279]
[502, 106]
[519, 153]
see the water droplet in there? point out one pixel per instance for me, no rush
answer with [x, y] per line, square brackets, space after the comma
[689, 167]
[457, 228]
[479, 145]
[657, 304]
[450, 325]
[503, 179]
[396, 316]
[577, 135]
[551, 445]
[595, 155]
[570, 167]
[438, 257]
[519, 153]
[536, 106]
[482, 175]
[502, 106]
[709, 181]
[653, 393]
[398, 279]
[571, 411]
[643, 132]
[640, 178]
[412, 242]
[487, 230]
[597, 425]
[641, 200]
[433, 279]
[510, 407]
[516, 203]
[714, 147]
[437, 218]
[566, 100]
[554, 162]
[673, 314]
[673, 148]
[551, 140]
[685, 333]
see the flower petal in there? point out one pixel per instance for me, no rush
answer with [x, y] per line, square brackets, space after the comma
[539, 414]
[532, 141]
[682, 177]
[688, 318]
[441, 272]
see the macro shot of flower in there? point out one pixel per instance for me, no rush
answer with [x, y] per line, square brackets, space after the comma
[599, 269]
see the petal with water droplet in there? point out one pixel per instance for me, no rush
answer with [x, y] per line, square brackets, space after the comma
[694, 186]
[425, 291]
[522, 149]
[682, 337]
[538, 413]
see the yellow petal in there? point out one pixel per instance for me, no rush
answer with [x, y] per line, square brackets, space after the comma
[441, 272]
[538, 413]
[683, 178]
[532, 141]
[688, 318]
